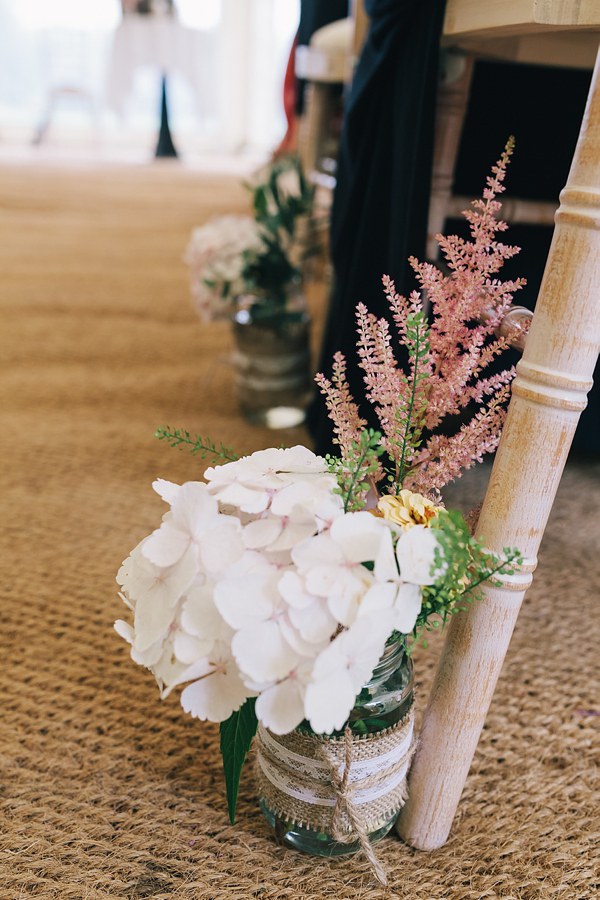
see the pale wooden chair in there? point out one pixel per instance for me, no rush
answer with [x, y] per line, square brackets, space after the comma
[549, 393]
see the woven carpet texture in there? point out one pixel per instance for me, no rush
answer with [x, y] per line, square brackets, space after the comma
[105, 790]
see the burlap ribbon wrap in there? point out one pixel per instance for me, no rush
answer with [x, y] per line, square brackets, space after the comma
[347, 786]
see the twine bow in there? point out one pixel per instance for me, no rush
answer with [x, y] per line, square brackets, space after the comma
[344, 805]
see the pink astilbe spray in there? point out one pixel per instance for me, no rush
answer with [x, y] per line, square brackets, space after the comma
[343, 411]
[446, 358]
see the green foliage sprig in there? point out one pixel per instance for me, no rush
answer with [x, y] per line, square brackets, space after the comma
[278, 212]
[203, 447]
[354, 471]
[411, 411]
[463, 564]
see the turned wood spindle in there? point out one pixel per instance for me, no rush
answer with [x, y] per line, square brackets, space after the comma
[548, 395]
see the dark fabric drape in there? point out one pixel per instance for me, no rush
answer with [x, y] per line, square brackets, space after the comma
[314, 14]
[381, 200]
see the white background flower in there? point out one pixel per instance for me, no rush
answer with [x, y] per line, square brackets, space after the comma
[215, 253]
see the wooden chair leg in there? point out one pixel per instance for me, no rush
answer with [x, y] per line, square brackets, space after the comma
[451, 108]
[549, 392]
[314, 124]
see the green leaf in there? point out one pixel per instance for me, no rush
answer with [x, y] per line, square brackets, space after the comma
[260, 203]
[236, 736]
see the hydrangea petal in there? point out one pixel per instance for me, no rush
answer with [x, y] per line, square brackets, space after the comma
[168, 670]
[166, 545]
[327, 702]
[221, 546]
[140, 577]
[150, 657]
[244, 600]
[315, 623]
[166, 490]
[407, 607]
[386, 567]
[358, 535]
[188, 649]
[344, 607]
[194, 510]
[152, 620]
[200, 616]
[292, 589]
[262, 653]
[415, 552]
[377, 598]
[293, 533]
[363, 645]
[247, 499]
[262, 532]
[328, 580]
[281, 707]
[214, 697]
[301, 646]
[318, 550]
[124, 630]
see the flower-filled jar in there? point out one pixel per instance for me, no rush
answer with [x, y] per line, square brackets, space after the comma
[271, 358]
[328, 795]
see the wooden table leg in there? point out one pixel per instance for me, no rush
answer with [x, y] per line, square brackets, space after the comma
[549, 392]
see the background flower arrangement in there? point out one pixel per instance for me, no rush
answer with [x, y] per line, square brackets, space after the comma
[270, 589]
[261, 255]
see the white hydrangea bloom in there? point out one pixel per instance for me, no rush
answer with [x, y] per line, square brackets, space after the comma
[215, 254]
[258, 584]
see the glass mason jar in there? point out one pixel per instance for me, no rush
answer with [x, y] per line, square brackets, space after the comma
[272, 359]
[382, 702]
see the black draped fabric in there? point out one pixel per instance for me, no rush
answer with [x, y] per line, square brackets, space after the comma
[315, 14]
[381, 200]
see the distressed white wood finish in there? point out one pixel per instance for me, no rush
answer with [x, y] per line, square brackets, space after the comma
[549, 392]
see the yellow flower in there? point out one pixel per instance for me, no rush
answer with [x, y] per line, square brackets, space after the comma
[407, 509]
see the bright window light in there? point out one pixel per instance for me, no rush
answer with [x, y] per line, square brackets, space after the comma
[101, 15]
[204, 15]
